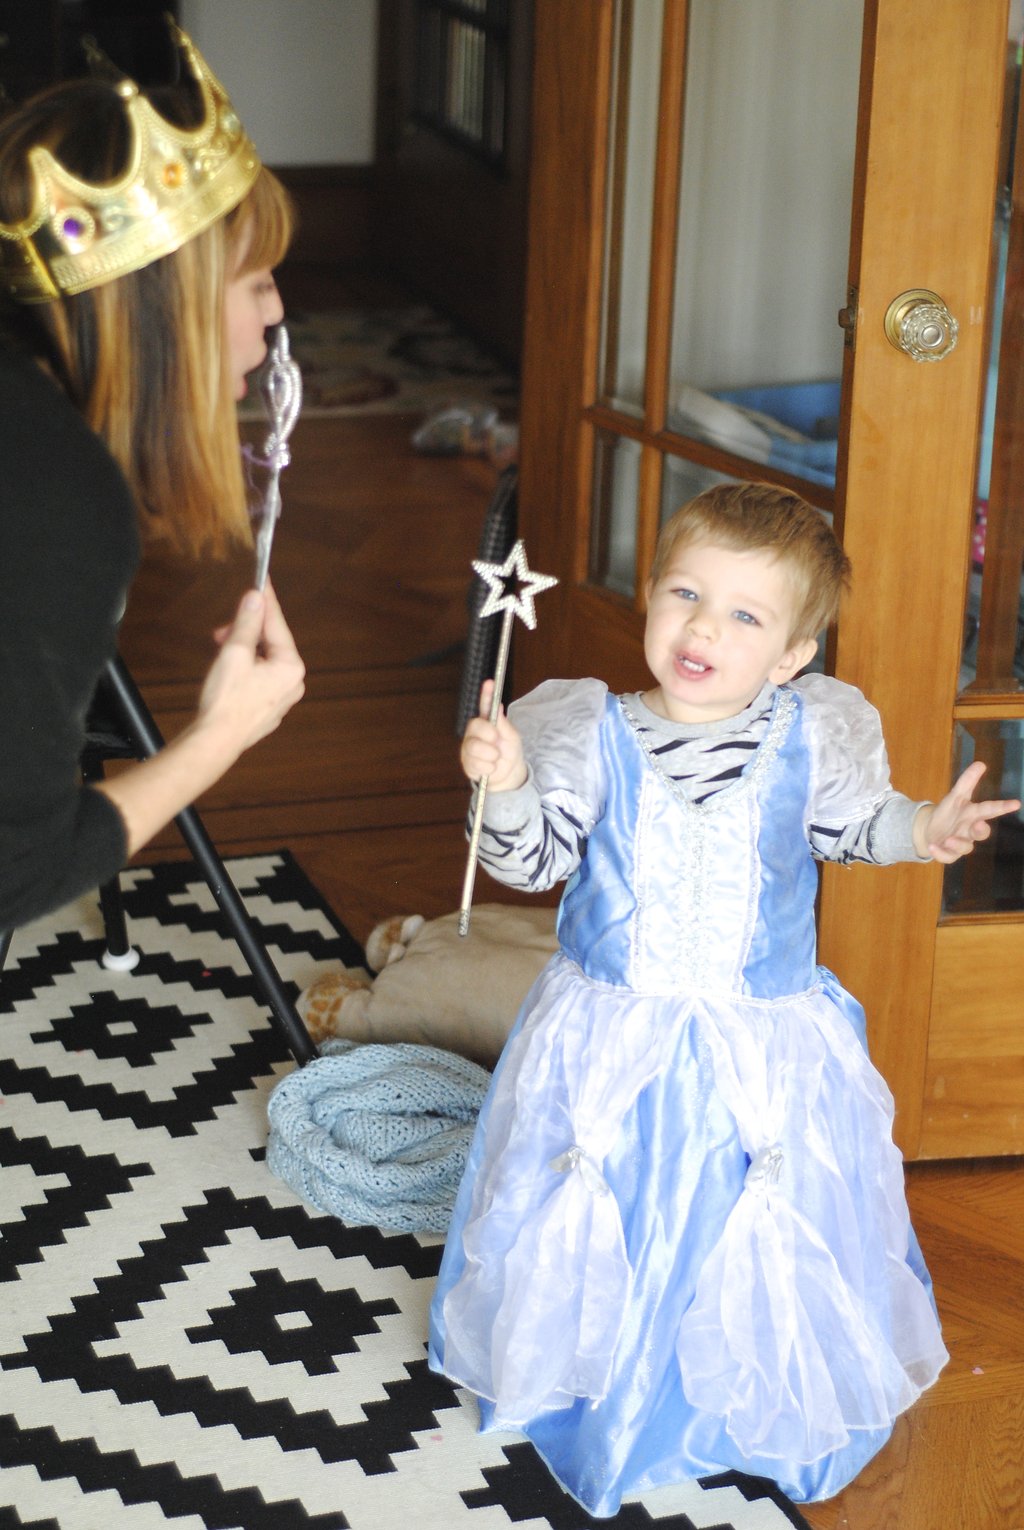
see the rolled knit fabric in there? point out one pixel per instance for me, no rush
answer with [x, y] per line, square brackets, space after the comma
[377, 1134]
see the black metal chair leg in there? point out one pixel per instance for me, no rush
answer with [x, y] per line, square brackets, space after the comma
[121, 688]
[230, 903]
[5, 946]
[120, 955]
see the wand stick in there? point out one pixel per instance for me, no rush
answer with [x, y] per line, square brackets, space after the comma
[281, 387]
[504, 643]
[511, 588]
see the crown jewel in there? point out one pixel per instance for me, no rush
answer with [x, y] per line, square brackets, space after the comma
[177, 182]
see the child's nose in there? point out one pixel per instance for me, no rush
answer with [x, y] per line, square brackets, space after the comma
[702, 622]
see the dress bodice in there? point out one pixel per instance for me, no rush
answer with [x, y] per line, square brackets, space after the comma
[674, 896]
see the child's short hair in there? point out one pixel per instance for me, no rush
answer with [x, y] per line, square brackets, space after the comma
[758, 517]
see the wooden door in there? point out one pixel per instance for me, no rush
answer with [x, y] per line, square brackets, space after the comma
[937, 961]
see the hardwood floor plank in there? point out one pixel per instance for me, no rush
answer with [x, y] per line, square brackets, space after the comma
[371, 559]
[949, 1462]
[374, 873]
[357, 746]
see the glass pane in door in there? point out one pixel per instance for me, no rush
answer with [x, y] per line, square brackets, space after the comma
[682, 481]
[993, 657]
[636, 66]
[991, 878]
[613, 522]
[764, 228]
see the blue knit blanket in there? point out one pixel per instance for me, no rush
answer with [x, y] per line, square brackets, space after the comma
[377, 1134]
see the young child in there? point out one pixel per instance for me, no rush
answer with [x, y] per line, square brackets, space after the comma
[682, 1245]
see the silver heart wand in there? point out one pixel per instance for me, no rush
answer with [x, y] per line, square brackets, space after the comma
[511, 588]
[281, 387]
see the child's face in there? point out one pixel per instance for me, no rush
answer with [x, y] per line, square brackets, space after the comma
[718, 626]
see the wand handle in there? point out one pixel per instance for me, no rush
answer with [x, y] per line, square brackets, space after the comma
[504, 644]
[265, 535]
[281, 387]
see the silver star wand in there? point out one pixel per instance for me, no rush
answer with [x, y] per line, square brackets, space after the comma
[511, 588]
[281, 387]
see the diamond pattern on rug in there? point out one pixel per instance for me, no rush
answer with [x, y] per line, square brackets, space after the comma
[182, 1341]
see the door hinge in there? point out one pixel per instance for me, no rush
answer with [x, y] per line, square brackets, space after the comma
[847, 316]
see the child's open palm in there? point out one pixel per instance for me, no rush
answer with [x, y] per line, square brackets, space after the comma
[954, 826]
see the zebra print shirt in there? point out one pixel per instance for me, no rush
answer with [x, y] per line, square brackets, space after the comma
[703, 758]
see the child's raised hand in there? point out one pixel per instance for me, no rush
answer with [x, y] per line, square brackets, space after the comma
[953, 826]
[493, 750]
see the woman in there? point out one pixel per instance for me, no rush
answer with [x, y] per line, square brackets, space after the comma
[137, 240]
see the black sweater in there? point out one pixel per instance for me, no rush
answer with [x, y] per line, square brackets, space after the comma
[68, 550]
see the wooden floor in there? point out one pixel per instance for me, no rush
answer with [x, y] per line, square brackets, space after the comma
[361, 782]
[957, 1459]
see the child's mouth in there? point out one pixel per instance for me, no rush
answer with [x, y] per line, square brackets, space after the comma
[692, 667]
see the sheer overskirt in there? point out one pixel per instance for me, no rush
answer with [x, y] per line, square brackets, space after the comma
[713, 1321]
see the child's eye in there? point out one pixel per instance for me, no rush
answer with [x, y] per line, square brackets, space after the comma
[685, 594]
[745, 616]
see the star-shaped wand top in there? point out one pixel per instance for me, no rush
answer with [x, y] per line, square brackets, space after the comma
[512, 586]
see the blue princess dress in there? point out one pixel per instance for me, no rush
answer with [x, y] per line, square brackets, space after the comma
[682, 1245]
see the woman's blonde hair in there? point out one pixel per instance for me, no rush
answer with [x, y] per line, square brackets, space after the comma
[143, 357]
[758, 517]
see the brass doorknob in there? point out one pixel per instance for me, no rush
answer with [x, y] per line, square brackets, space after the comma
[919, 324]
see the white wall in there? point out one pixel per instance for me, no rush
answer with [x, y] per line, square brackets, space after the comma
[302, 73]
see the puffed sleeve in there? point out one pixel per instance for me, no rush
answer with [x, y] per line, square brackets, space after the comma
[849, 765]
[534, 837]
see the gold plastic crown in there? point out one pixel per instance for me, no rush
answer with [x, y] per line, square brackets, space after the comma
[178, 181]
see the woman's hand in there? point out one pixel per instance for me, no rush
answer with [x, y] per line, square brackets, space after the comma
[954, 826]
[494, 750]
[257, 676]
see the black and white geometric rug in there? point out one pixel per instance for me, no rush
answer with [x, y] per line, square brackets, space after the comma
[182, 1341]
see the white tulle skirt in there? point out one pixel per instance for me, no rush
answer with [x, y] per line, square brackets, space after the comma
[682, 1243]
